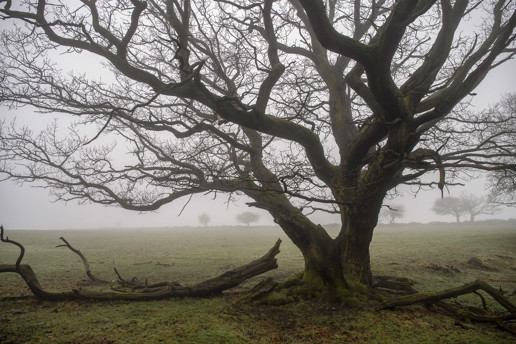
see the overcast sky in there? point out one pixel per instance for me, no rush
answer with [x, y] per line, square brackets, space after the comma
[23, 207]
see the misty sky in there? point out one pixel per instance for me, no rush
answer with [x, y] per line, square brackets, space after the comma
[23, 207]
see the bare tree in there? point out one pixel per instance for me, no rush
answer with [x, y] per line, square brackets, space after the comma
[204, 219]
[475, 205]
[465, 204]
[391, 213]
[503, 182]
[247, 217]
[449, 206]
[301, 105]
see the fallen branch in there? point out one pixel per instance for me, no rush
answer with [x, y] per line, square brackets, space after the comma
[213, 286]
[394, 284]
[84, 261]
[467, 314]
[22, 249]
[434, 297]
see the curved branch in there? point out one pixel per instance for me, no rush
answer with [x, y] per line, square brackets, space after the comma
[84, 261]
[330, 38]
[469, 75]
[434, 297]
[7, 240]
[277, 68]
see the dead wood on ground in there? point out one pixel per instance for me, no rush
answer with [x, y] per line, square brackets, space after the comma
[84, 261]
[137, 290]
[454, 308]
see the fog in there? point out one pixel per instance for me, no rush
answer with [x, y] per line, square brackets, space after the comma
[25, 207]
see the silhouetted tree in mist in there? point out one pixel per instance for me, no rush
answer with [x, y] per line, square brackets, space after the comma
[302, 106]
[393, 212]
[465, 204]
[247, 217]
[204, 219]
[503, 182]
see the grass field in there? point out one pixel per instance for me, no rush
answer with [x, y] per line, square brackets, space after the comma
[425, 253]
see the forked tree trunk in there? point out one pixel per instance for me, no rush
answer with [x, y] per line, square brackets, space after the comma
[330, 263]
[342, 262]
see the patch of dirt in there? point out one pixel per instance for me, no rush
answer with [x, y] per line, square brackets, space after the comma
[480, 264]
[447, 269]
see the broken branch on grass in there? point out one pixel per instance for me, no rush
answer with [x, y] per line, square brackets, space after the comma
[84, 261]
[482, 298]
[134, 284]
[437, 299]
[394, 284]
[162, 290]
[7, 240]
[433, 297]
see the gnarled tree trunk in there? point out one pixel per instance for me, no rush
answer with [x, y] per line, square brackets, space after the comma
[340, 263]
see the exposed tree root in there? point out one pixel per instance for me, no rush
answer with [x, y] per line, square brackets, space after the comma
[136, 290]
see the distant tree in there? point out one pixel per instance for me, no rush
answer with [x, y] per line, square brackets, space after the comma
[391, 213]
[448, 206]
[503, 183]
[204, 219]
[247, 217]
[474, 205]
[465, 204]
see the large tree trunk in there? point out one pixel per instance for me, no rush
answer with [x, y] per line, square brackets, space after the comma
[342, 264]
[332, 264]
[355, 239]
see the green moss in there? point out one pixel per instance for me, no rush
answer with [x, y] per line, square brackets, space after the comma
[313, 281]
[293, 281]
[310, 286]
[351, 302]
[342, 293]
[277, 299]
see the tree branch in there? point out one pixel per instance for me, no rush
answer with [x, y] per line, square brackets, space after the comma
[210, 287]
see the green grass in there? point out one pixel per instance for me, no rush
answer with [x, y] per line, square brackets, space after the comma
[189, 255]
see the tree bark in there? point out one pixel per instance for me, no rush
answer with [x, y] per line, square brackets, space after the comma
[356, 240]
[342, 262]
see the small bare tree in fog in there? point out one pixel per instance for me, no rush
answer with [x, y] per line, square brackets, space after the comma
[300, 105]
[392, 212]
[448, 206]
[465, 204]
[247, 217]
[204, 219]
[503, 182]
[475, 205]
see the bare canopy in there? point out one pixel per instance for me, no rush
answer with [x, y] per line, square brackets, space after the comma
[302, 105]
